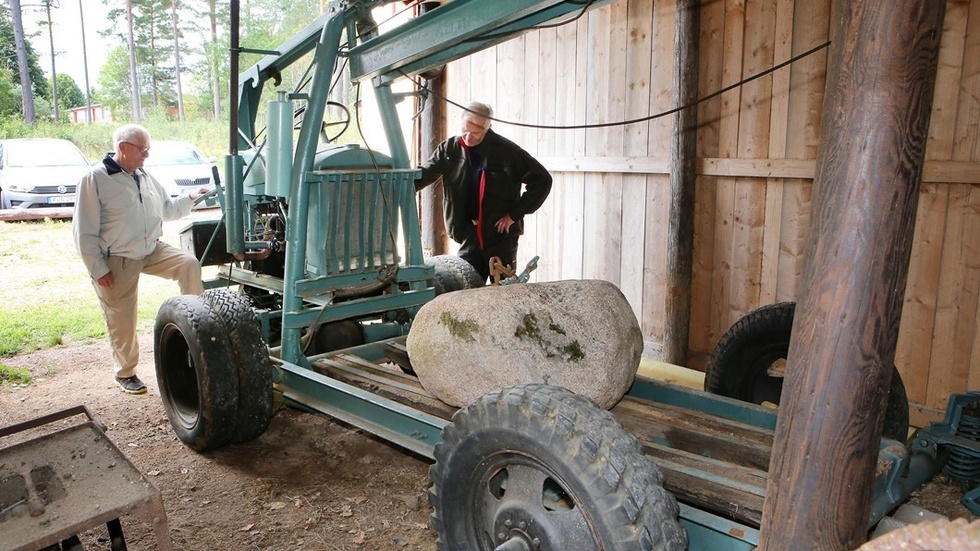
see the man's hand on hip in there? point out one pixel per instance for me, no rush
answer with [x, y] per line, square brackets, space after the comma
[503, 225]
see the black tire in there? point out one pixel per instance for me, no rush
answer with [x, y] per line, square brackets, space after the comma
[740, 365]
[454, 274]
[251, 359]
[536, 462]
[195, 373]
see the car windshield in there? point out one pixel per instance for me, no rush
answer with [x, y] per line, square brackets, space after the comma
[43, 153]
[174, 153]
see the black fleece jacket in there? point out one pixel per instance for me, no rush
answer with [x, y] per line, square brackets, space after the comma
[506, 168]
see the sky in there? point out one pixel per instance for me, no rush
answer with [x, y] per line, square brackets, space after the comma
[68, 38]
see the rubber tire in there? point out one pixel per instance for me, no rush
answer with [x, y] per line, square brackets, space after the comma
[738, 366]
[578, 447]
[195, 373]
[454, 274]
[251, 358]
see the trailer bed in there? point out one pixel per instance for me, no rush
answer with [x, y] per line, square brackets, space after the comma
[709, 461]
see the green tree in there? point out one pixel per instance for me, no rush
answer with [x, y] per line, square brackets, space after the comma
[153, 36]
[114, 88]
[69, 94]
[211, 66]
[8, 56]
[9, 94]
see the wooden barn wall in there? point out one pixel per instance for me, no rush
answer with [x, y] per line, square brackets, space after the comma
[757, 146]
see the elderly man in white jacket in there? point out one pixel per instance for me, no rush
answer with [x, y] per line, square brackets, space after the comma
[117, 225]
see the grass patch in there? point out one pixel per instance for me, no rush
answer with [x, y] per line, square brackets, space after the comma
[45, 325]
[16, 376]
[46, 295]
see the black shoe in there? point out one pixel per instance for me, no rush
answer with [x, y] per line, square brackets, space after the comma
[131, 385]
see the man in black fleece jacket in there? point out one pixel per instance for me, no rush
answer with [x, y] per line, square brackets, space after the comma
[490, 183]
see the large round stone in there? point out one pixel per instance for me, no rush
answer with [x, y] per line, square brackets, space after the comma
[577, 334]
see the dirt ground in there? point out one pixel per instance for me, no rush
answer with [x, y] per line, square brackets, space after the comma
[307, 483]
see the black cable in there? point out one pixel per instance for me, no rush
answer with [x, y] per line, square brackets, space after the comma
[629, 121]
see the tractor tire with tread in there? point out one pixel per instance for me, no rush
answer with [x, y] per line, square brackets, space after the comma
[454, 274]
[251, 358]
[542, 464]
[740, 363]
[195, 373]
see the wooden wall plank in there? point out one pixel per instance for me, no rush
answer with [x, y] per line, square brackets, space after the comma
[722, 312]
[483, 70]
[710, 79]
[973, 237]
[573, 187]
[952, 336]
[541, 70]
[966, 146]
[914, 345]
[753, 142]
[639, 89]
[616, 136]
[662, 79]
[811, 27]
[943, 120]
[598, 88]
[778, 136]
[657, 201]
[528, 66]
[602, 218]
[511, 76]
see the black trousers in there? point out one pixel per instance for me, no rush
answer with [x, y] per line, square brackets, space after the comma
[503, 246]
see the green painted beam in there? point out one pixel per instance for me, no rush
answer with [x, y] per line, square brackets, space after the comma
[454, 30]
[409, 428]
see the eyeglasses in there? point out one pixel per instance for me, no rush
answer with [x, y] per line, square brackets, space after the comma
[143, 150]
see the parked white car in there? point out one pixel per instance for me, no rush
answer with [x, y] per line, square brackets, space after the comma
[39, 172]
[179, 166]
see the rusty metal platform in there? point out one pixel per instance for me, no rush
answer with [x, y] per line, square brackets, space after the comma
[67, 481]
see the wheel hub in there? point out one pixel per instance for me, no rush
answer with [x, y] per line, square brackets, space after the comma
[514, 537]
[532, 528]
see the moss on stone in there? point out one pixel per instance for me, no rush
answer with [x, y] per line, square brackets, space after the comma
[574, 351]
[529, 330]
[461, 329]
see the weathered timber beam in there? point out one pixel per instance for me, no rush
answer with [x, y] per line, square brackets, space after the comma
[23, 215]
[876, 112]
[683, 153]
[432, 130]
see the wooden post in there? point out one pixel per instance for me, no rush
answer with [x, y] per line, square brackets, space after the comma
[683, 153]
[435, 239]
[881, 78]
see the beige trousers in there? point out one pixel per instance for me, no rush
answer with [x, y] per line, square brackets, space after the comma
[119, 304]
